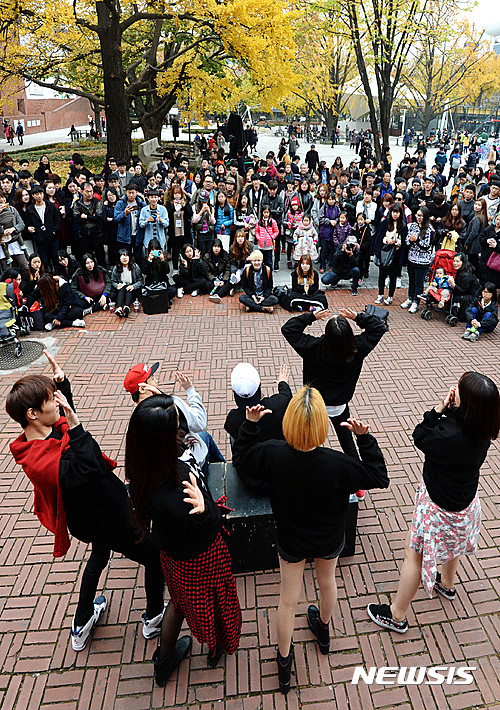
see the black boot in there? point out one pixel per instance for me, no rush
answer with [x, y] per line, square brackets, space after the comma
[213, 657]
[285, 670]
[164, 669]
[319, 629]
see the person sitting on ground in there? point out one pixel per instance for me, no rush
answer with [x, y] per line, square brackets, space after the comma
[482, 314]
[192, 272]
[92, 284]
[218, 265]
[257, 283]
[345, 265]
[240, 254]
[141, 382]
[127, 281]
[440, 287]
[247, 391]
[61, 307]
[156, 268]
[67, 266]
[305, 294]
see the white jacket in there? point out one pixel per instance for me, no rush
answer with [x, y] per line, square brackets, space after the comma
[196, 417]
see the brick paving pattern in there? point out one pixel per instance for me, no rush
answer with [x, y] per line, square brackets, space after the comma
[414, 363]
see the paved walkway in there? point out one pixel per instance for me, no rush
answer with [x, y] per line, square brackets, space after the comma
[38, 669]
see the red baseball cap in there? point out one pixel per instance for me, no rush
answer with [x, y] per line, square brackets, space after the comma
[137, 374]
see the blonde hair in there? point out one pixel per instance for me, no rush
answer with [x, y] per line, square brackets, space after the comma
[256, 254]
[305, 424]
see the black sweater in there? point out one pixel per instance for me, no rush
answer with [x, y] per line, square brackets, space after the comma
[95, 500]
[299, 288]
[452, 460]
[277, 403]
[309, 491]
[181, 535]
[336, 383]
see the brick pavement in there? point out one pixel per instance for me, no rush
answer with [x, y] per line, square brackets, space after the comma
[38, 669]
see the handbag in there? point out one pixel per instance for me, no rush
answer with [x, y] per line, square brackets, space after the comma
[382, 313]
[493, 262]
[387, 254]
[155, 299]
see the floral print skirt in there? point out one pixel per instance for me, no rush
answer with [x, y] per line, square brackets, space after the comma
[440, 535]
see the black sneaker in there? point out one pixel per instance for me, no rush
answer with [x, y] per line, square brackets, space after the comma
[321, 631]
[444, 591]
[381, 614]
[354, 292]
[284, 670]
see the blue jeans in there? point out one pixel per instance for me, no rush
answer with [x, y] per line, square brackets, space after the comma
[331, 278]
[486, 326]
[416, 278]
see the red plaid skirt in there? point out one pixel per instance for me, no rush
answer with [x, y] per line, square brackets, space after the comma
[204, 590]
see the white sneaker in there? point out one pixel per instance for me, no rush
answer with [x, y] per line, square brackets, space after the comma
[407, 303]
[194, 293]
[413, 308]
[151, 627]
[215, 298]
[231, 292]
[379, 299]
[78, 323]
[388, 301]
[399, 283]
[81, 634]
[48, 326]
[180, 292]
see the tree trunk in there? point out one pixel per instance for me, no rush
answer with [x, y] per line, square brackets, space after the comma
[118, 126]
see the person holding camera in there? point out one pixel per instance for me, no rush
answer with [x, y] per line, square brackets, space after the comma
[153, 219]
[345, 265]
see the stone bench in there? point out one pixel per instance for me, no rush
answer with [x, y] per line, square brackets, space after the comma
[149, 149]
[251, 526]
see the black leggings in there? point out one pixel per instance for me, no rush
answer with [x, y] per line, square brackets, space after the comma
[145, 553]
[73, 313]
[189, 286]
[124, 297]
[346, 439]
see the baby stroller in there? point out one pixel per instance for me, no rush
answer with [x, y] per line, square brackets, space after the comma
[443, 259]
[8, 313]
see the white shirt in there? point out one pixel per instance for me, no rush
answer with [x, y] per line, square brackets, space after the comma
[41, 211]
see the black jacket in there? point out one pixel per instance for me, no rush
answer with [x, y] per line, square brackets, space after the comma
[181, 535]
[452, 460]
[309, 491]
[248, 281]
[219, 268]
[490, 308]
[95, 500]
[276, 205]
[91, 225]
[271, 427]
[187, 214]
[466, 284]
[299, 288]
[46, 233]
[336, 383]
[194, 271]
[342, 262]
[66, 299]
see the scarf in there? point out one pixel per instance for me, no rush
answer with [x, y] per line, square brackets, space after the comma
[40, 460]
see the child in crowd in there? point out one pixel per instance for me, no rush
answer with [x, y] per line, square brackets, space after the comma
[305, 239]
[293, 219]
[266, 232]
[482, 315]
[342, 230]
[440, 287]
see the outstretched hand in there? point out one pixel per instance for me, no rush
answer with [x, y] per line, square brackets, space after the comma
[194, 495]
[320, 315]
[57, 371]
[446, 402]
[356, 426]
[284, 374]
[69, 413]
[183, 380]
[255, 414]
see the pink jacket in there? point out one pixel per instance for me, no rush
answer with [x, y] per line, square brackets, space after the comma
[266, 235]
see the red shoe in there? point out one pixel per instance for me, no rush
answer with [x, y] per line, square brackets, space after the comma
[360, 495]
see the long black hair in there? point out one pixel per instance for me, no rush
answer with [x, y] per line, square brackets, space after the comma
[425, 222]
[95, 271]
[339, 344]
[479, 411]
[153, 428]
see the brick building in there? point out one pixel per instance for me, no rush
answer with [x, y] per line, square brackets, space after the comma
[40, 109]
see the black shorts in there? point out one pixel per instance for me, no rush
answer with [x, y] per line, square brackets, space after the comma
[293, 558]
